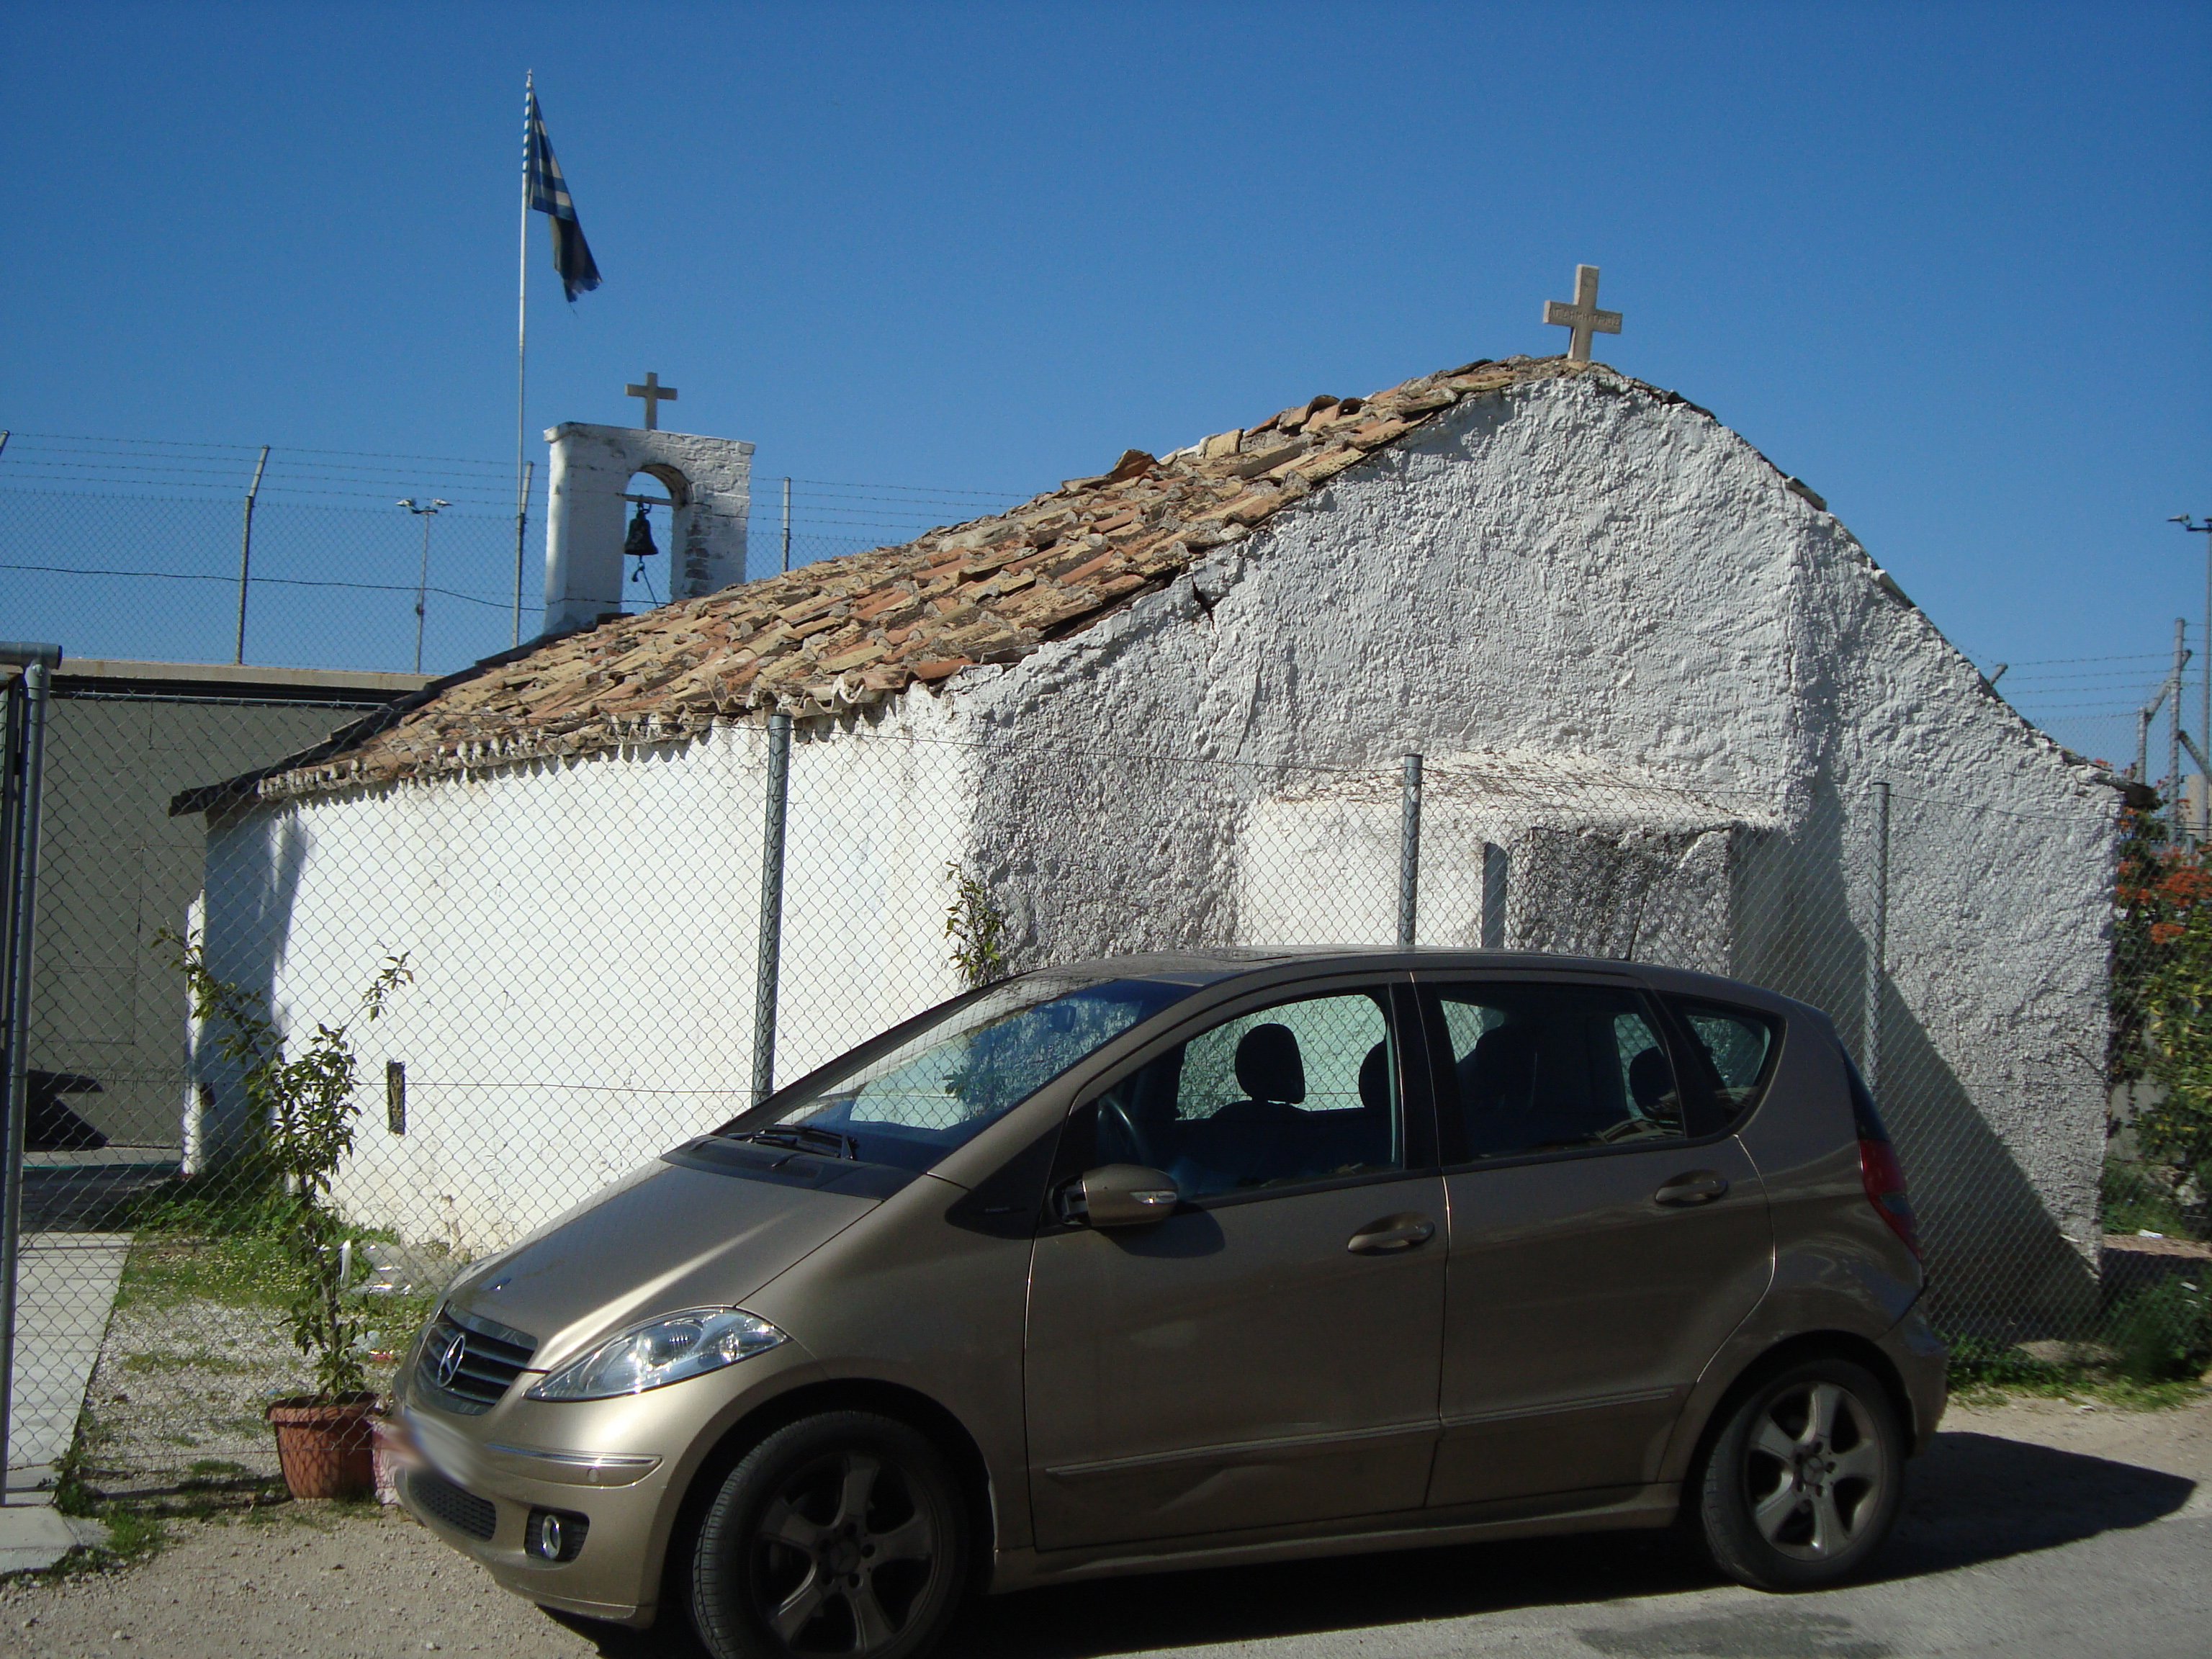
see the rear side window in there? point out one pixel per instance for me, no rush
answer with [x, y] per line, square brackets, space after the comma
[1539, 1067]
[1735, 1048]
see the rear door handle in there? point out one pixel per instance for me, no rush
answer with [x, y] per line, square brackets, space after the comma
[1697, 1186]
[1391, 1234]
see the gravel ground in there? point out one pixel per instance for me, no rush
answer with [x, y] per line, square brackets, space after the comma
[2036, 1527]
[181, 1385]
[180, 1388]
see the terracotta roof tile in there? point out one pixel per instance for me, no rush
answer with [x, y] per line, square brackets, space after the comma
[850, 631]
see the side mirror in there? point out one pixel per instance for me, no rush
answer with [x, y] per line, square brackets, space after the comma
[1121, 1195]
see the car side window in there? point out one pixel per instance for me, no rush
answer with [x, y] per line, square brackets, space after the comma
[1303, 1091]
[1736, 1046]
[1554, 1067]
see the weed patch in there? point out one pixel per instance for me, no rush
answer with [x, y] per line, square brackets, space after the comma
[2138, 1199]
[1987, 1373]
[201, 1359]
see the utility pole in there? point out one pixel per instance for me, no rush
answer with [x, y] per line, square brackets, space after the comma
[787, 526]
[2173, 736]
[2202, 527]
[422, 581]
[245, 552]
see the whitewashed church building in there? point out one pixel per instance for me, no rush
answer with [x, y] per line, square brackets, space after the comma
[1657, 686]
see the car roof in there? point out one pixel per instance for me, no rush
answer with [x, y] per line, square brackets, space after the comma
[1211, 965]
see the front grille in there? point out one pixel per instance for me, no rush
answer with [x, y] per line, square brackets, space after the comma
[464, 1511]
[470, 1378]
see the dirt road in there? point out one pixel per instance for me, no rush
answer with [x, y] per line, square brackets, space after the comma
[2034, 1527]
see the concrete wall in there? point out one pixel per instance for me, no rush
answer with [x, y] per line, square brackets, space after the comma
[116, 869]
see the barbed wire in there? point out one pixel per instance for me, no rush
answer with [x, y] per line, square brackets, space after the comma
[502, 603]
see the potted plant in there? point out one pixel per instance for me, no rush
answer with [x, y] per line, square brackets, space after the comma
[303, 1107]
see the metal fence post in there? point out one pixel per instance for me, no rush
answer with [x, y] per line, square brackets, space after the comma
[1878, 949]
[26, 769]
[1409, 852]
[521, 530]
[1495, 864]
[769, 963]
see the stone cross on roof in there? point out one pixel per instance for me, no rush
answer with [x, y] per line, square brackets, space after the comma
[1582, 316]
[655, 394]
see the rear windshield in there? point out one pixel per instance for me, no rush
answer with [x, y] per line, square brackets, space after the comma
[952, 1078]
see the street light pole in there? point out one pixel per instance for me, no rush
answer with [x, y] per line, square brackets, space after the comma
[2204, 723]
[422, 580]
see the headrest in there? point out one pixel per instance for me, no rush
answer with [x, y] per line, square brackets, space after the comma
[1375, 1078]
[1268, 1066]
[1503, 1067]
[1650, 1079]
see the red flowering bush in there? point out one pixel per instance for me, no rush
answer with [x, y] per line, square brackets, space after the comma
[2161, 1028]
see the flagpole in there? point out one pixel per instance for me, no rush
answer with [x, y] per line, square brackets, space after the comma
[521, 336]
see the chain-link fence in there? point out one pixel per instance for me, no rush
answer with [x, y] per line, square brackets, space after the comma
[588, 980]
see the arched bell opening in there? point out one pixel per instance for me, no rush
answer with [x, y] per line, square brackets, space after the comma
[693, 535]
[660, 500]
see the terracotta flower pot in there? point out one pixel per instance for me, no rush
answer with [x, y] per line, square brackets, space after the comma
[323, 1445]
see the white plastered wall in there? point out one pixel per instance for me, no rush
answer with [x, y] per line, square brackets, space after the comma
[1578, 569]
[583, 936]
[1570, 568]
[1580, 861]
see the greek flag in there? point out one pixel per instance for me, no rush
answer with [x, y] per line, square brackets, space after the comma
[549, 195]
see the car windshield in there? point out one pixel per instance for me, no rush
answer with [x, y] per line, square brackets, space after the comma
[950, 1079]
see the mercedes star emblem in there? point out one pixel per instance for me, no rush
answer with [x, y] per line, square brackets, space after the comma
[450, 1358]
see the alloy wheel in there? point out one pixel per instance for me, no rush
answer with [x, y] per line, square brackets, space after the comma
[844, 1555]
[1814, 1471]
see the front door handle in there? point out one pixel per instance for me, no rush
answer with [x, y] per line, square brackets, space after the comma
[1697, 1186]
[1391, 1234]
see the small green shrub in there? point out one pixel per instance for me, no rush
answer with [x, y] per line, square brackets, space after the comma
[977, 927]
[2162, 1331]
[301, 1095]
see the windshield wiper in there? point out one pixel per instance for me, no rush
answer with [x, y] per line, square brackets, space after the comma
[804, 1137]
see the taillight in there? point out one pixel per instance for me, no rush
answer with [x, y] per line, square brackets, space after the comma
[1885, 1189]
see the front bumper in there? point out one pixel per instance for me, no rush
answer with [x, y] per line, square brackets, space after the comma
[449, 1481]
[623, 1465]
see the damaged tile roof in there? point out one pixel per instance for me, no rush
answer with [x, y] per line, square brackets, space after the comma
[845, 632]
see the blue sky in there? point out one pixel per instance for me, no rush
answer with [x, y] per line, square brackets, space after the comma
[1946, 263]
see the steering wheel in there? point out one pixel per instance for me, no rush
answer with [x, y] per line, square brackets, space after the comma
[1109, 1103]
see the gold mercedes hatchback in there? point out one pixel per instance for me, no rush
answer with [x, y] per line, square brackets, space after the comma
[1176, 1262]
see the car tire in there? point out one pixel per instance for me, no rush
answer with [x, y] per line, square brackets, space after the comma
[844, 1532]
[1800, 1486]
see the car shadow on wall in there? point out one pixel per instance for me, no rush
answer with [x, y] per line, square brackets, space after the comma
[1972, 1499]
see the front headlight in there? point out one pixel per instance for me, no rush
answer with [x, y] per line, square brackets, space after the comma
[666, 1351]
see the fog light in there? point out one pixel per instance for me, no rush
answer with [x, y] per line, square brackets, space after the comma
[552, 1536]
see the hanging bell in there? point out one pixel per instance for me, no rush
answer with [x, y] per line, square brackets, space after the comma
[638, 544]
